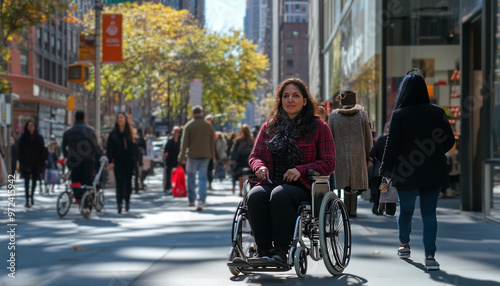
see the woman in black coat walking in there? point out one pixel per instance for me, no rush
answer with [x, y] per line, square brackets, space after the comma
[170, 153]
[122, 152]
[31, 155]
[414, 158]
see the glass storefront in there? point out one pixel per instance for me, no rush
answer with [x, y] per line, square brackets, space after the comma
[353, 59]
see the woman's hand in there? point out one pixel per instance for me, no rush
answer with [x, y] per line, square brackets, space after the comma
[291, 175]
[262, 174]
[111, 166]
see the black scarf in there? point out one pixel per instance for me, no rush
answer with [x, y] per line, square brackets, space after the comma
[283, 142]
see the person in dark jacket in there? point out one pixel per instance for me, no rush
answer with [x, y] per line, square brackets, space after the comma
[241, 151]
[141, 151]
[13, 153]
[414, 158]
[122, 152]
[376, 154]
[31, 159]
[80, 148]
[171, 152]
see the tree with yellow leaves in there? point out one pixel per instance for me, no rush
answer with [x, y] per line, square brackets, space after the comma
[164, 49]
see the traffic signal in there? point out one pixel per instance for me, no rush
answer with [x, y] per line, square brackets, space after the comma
[78, 73]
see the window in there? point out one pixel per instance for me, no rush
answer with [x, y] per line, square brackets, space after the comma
[39, 37]
[24, 63]
[46, 40]
[39, 66]
[53, 44]
[289, 63]
[59, 51]
[289, 50]
[53, 71]
[295, 34]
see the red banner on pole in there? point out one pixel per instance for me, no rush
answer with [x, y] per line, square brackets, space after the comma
[112, 38]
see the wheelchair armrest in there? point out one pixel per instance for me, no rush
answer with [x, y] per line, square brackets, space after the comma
[314, 175]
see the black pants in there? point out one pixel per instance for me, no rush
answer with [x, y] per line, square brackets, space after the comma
[168, 177]
[272, 211]
[34, 176]
[123, 180]
[210, 173]
[83, 173]
[136, 178]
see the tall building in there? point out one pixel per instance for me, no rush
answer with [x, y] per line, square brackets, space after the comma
[258, 28]
[294, 39]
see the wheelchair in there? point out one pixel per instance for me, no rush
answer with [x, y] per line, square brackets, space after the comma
[86, 197]
[322, 231]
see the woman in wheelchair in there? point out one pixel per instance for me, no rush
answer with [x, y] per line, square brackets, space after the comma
[293, 141]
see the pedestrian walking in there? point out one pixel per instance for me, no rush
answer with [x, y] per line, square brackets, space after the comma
[141, 151]
[221, 155]
[376, 154]
[289, 144]
[414, 159]
[241, 151]
[171, 153]
[80, 148]
[122, 152]
[13, 155]
[52, 175]
[32, 155]
[198, 146]
[351, 131]
[210, 169]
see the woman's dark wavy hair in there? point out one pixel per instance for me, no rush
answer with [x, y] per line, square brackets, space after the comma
[308, 112]
[413, 91]
[26, 134]
[129, 132]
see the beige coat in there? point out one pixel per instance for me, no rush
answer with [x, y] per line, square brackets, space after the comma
[353, 141]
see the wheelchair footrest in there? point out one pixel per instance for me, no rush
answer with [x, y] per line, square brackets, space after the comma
[238, 262]
[267, 263]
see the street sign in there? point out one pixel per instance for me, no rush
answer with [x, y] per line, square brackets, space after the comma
[196, 92]
[116, 1]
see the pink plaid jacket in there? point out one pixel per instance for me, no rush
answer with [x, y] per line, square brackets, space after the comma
[318, 151]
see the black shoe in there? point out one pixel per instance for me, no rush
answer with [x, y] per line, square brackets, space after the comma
[127, 207]
[119, 209]
[278, 255]
[32, 201]
[260, 258]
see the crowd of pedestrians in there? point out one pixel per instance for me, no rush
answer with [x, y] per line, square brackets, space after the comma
[298, 135]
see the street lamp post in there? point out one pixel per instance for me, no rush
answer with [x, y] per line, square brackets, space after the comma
[98, 8]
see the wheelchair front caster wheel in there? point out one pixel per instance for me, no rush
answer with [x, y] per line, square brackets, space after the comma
[300, 262]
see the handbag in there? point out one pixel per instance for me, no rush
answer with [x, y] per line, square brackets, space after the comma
[388, 193]
[178, 182]
[52, 176]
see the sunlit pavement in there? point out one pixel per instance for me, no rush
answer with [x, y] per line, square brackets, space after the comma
[162, 241]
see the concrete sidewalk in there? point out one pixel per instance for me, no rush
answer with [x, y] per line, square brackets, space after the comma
[164, 242]
[468, 250]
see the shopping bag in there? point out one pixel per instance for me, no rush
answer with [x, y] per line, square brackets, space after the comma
[52, 176]
[178, 182]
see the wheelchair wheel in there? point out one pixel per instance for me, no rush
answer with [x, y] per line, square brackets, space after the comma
[86, 204]
[63, 203]
[300, 262]
[334, 234]
[99, 201]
